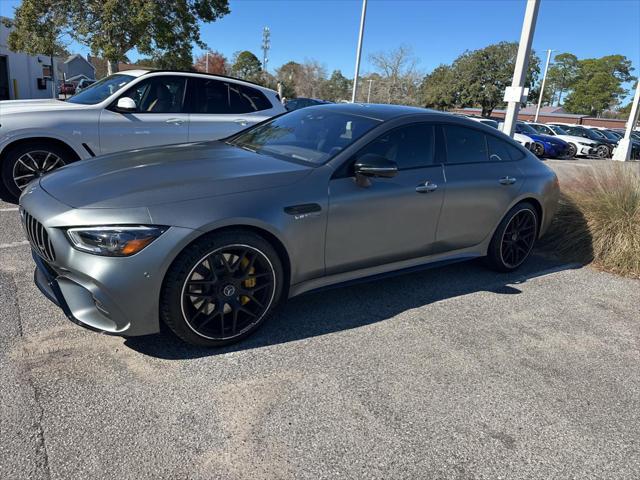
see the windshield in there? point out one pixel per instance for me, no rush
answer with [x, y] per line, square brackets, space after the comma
[609, 135]
[542, 129]
[524, 128]
[101, 90]
[558, 130]
[596, 133]
[311, 135]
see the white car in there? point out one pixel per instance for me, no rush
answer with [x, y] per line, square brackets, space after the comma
[578, 146]
[128, 110]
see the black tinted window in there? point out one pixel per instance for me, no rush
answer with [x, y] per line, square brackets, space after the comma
[464, 145]
[500, 150]
[158, 95]
[411, 146]
[215, 96]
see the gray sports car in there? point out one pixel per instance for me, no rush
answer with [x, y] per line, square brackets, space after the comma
[209, 237]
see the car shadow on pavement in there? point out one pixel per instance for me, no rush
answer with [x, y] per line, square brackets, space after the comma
[347, 307]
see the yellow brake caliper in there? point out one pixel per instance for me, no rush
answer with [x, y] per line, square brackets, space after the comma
[249, 283]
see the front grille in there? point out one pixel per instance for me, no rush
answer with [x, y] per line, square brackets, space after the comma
[38, 236]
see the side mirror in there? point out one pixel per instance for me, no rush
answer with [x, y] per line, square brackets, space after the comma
[372, 165]
[126, 105]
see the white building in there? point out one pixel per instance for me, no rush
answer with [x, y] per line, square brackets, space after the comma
[24, 76]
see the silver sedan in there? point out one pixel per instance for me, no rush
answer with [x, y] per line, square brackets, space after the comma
[209, 237]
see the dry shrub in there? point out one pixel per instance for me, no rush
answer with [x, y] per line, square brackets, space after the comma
[599, 219]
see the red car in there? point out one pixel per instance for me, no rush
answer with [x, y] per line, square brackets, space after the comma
[67, 89]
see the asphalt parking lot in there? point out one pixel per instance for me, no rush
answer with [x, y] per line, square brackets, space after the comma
[454, 372]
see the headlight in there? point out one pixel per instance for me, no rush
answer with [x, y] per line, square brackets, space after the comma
[114, 241]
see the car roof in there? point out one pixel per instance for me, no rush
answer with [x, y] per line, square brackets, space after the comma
[212, 75]
[379, 111]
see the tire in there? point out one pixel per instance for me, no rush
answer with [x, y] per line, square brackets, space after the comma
[28, 161]
[603, 151]
[217, 290]
[571, 151]
[537, 149]
[504, 240]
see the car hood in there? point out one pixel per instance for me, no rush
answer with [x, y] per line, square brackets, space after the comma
[42, 105]
[547, 138]
[173, 173]
[575, 139]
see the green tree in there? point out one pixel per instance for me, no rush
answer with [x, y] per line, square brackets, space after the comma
[438, 89]
[481, 76]
[247, 66]
[335, 88]
[37, 29]
[164, 29]
[562, 74]
[288, 75]
[598, 85]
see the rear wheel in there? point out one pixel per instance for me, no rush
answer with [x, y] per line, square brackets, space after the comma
[221, 288]
[514, 238]
[26, 162]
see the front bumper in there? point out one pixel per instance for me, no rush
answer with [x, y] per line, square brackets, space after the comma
[114, 295]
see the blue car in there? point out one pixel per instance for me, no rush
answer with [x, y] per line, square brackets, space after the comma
[544, 145]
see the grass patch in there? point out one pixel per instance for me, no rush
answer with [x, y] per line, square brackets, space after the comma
[598, 219]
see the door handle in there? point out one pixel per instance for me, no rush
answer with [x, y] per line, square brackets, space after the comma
[175, 121]
[507, 180]
[426, 187]
[242, 122]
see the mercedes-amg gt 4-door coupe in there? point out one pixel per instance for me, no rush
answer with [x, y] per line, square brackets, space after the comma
[208, 237]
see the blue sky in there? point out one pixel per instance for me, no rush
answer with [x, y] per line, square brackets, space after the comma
[437, 30]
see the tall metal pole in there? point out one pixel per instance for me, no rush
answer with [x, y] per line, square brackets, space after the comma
[359, 51]
[369, 93]
[544, 80]
[623, 150]
[516, 93]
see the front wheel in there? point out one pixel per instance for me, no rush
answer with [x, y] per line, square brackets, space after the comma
[26, 162]
[221, 288]
[572, 150]
[537, 149]
[514, 238]
[603, 151]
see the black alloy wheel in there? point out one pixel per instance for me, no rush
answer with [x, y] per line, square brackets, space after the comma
[221, 288]
[537, 149]
[518, 238]
[228, 292]
[572, 150]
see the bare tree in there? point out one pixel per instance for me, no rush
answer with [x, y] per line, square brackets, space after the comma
[311, 76]
[399, 77]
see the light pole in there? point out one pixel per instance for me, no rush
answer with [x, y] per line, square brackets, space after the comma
[369, 93]
[359, 51]
[516, 93]
[623, 150]
[544, 80]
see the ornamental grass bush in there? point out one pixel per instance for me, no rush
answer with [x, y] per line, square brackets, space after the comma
[598, 219]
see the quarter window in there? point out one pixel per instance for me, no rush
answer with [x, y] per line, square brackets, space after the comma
[219, 97]
[411, 146]
[465, 145]
[499, 150]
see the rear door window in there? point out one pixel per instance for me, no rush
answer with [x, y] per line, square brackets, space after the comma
[465, 145]
[214, 96]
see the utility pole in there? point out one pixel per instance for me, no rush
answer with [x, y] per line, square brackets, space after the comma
[266, 45]
[623, 150]
[516, 93]
[369, 93]
[544, 80]
[359, 51]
